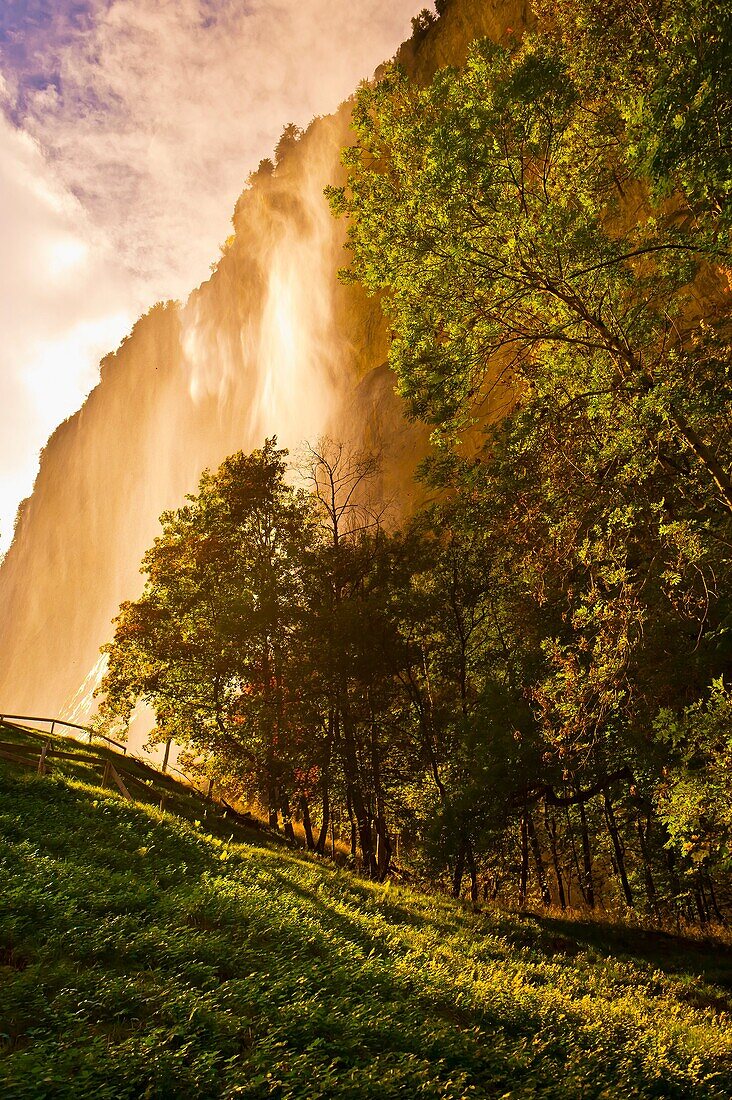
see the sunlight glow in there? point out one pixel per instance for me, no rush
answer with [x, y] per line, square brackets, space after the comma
[64, 254]
[57, 374]
[59, 370]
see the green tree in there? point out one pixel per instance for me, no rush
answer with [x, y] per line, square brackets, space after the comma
[664, 67]
[353, 642]
[493, 206]
[537, 293]
[210, 643]
[694, 799]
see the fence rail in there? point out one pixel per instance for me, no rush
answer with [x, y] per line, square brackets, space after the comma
[11, 719]
[42, 756]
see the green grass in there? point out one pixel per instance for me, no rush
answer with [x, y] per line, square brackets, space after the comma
[141, 956]
[147, 784]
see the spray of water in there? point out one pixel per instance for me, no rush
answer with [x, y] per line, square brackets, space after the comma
[257, 350]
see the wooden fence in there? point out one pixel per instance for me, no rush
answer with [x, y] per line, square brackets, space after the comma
[14, 719]
[42, 759]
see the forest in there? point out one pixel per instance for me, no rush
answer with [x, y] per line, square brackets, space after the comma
[521, 690]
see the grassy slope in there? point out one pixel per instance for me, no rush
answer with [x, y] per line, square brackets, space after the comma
[140, 775]
[140, 956]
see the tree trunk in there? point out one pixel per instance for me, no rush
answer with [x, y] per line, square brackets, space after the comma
[383, 848]
[358, 804]
[589, 886]
[551, 831]
[650, 886]
[524, 872]
[675, 881]
[354, 831]
[546, 897]
[306, 823]
[490, 888]
[701, 904]
[366, 841]
[612, 827]
[713, 898]
[470, 856]
[457, 876]
[272, 795]
[288, 829]
[383, 843]
[323, 834]
[325, 786]
[706, 456]
[575, 858]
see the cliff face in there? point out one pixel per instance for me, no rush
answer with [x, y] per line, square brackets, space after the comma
[270, 344]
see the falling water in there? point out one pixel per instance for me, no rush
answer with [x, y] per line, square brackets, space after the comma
[259, 349]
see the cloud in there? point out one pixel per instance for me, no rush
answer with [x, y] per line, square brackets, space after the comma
[154, 113]
[61, 307]
[127, 131]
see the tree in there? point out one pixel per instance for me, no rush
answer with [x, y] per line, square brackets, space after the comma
[695, 800]
[347, 632]
[493, 207]
[538, 292]
[287, 142]
[664, 66]
[421, 23]
[210, 643]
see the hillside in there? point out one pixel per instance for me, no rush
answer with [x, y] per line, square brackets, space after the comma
[507, 681]
[142, 955]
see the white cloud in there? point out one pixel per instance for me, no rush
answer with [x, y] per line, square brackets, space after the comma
[166, 107]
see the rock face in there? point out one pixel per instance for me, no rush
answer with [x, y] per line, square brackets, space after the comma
[270, 344]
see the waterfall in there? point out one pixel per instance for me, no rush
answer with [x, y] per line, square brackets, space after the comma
[257, 350]
[271, 344]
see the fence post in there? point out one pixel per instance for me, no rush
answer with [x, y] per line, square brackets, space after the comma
[119, 782]
[42, 759]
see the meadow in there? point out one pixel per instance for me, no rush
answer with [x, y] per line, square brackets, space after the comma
[144, 954]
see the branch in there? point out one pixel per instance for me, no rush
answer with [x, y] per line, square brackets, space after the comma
[547, 792]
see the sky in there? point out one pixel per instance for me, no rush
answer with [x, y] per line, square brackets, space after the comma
[127, 131]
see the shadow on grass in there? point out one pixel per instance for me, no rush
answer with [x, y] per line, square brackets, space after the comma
[666, 951]
[295, 982]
